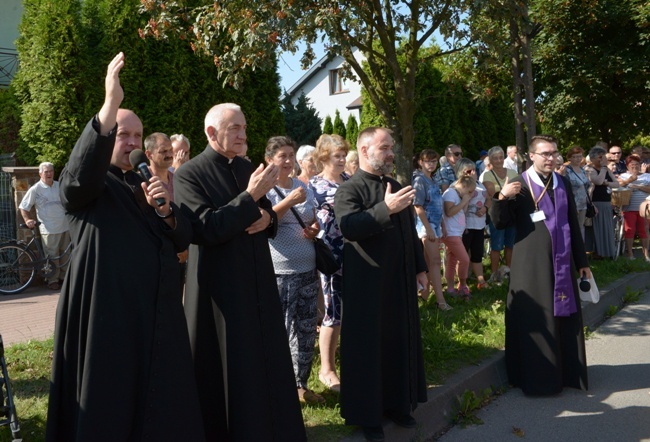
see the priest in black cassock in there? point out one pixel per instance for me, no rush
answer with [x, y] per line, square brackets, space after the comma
[239, 341]
[122, 367]
[545, 344]
[382, 369]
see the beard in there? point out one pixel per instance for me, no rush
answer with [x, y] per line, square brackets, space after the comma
[379, 166]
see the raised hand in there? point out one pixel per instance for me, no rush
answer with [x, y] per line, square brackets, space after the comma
[262, 180]
[114, 95]
[510, 189]
[400, 200]
[297, 196]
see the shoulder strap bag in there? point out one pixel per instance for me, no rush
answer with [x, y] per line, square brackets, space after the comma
[326, 263]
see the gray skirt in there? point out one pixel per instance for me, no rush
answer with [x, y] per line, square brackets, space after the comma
[603, 229]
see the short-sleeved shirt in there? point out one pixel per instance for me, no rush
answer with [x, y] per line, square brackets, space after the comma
[579, 184]
[49, 210]
[290, 250]
[454, 225]
[490, 176]
[476, 202]
[445, 175]
[638, 196]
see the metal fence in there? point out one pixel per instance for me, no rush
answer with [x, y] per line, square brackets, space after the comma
[7, 209]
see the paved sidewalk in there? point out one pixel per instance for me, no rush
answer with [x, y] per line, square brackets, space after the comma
[616, 407]
[29, 315]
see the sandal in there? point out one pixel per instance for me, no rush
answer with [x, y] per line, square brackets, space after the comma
[482, 285]
[327, 381]
[309, 397]
[464, 293]
[444, 306]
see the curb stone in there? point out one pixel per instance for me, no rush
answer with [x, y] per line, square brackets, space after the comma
[436, 415]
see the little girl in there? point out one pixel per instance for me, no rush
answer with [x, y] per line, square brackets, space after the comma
[455, 202]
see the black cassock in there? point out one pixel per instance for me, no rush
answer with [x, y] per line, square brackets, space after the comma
[381, 348]
[544, 353]
[233, 308]
[122, 368]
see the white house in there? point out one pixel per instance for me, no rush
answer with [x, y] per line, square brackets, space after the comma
[327, 91]
[10, 15]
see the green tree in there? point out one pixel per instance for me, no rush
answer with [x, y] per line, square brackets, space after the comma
[302, 121]
[594, 65]
[49, 83]
[9, 121]
[255, 34]
[328, 127]
[339, 126]
[352, 131]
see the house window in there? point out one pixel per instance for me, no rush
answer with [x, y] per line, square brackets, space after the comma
[338, 84]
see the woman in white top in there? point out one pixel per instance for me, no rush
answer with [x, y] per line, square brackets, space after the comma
[635, 222]
[474, 235]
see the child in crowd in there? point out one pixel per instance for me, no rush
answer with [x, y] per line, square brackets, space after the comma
[455, 202]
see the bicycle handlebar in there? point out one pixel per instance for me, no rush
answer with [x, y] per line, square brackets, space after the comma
[24, 226]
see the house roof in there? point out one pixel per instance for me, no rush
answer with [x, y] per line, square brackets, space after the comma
[356, 104]
[320, 64]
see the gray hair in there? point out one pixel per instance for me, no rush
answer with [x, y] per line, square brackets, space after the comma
[494, 151]
[215, 115]
[151, 142]
[304, 151]
[180, 137]
[596, 151]
[42, 166]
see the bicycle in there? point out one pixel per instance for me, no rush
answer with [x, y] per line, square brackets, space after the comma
[19, 264]
[620, 197]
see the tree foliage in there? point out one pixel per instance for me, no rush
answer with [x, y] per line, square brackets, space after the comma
[594, 65]
[352, 131]
[447, 112]
[64, 49]
[49, 82]
[257, 30]
[9, 121]
[339, 125]
[328, 127]
[302, 122]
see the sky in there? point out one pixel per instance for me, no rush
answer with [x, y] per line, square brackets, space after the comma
[289, 66]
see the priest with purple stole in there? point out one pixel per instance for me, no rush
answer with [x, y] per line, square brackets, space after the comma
[545, 344]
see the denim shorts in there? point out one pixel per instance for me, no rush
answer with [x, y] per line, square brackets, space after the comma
[501, 238]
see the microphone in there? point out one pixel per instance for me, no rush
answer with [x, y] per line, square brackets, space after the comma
[138, 160]
[585, 286]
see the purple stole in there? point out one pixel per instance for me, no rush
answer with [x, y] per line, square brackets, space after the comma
[557, 223]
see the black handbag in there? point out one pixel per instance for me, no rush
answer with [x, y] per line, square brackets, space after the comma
[326, 263]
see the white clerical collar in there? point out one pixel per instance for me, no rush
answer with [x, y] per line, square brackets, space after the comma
[532, 173]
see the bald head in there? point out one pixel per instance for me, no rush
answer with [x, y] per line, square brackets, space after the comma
[127, 139]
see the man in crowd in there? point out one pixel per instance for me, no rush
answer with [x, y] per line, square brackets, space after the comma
[616, 155]
[181, 151]
[545, 347]
[480, 164]
[122, 367]
[511, 159]
[239, 341]
[447, 175]
[49, 212]
[382, 371]
[158, 148]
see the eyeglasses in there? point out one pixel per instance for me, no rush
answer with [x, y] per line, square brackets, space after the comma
[548, 155]
[457, 154]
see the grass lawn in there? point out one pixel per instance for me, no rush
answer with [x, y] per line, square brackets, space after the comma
[466, 335]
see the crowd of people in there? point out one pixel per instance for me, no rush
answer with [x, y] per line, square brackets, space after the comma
[193, 293]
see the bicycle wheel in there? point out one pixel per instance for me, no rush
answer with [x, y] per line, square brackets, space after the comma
[16, 268]
[619, 243]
